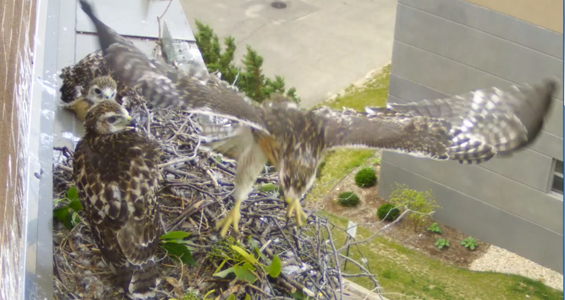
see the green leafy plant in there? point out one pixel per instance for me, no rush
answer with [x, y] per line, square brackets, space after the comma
[421, 204]
[435, 228]
[175, 244]
[470, 243]
[388, 212]
[269, 187]
[68, 214]
[246, 266]
[249, 78]
[441, 243]
[349, 199]
[379, 160]
[366, 177]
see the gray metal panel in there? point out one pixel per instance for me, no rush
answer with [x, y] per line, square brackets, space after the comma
[141, 18]
[490, 54]
[548, 144]
[490, 187]
[483, 221]
[453, 78]
[87, 43]
[38, 251]
[494, 23]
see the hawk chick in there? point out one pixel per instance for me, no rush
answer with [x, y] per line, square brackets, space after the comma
[115, 170]
[100, 88]
[471, 128]
[77, 78]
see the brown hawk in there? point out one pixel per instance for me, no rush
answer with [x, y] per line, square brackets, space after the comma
[469, 128]
[78, 78]
[99, 88]
[115, 170]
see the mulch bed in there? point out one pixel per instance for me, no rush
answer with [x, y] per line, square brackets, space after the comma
[403, 231]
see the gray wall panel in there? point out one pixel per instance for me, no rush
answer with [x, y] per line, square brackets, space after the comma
[453, 78]
[483, 221]
[548, 144]
[490, 187]
[494, 23]
[474, 48]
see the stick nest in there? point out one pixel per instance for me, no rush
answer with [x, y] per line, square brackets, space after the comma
[195, 193]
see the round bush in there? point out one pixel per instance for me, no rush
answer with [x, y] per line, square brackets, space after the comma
[348, 199]
[366, 177]
[388, 212]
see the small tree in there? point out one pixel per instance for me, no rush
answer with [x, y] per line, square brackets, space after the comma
[215, 60]
[421, 204]
[251, 80]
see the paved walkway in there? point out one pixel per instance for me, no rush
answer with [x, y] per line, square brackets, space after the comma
[318, 46]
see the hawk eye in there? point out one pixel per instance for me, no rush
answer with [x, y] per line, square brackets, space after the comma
[112, 119]
[97, 91]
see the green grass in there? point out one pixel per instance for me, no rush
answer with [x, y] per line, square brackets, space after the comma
[408, 274]
[343, 161]
[404, 273]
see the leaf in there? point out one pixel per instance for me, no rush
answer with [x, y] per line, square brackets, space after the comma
[250, 258]
[76, 205]
[72, 194]
[175, 235]
[62, 214]
[247, 297]
[243, 273]
[275, 268]
[224, 273]
[181, 252]
[232, 297]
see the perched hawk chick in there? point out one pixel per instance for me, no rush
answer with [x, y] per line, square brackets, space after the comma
[77, 79]
[115, 170]
[100, 88]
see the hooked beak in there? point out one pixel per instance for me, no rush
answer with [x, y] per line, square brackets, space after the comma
[131, 122]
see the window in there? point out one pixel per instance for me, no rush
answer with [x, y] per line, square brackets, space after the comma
[557, 183]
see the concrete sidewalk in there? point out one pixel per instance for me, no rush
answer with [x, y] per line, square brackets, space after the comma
[319, 46]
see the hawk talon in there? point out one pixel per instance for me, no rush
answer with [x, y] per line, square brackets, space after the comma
[295, 210]
[232, 218]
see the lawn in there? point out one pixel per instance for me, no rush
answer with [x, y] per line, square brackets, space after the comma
[405, 273]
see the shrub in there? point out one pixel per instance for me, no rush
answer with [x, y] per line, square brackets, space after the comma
[470, 243]
[435, 228]
[421, 204]
[349, 199]
[366, 177]
[442, 243]
[388, 212]
[250, 78]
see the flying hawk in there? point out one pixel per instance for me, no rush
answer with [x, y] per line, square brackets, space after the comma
[469, 128]
[78, 78]
[115, 170]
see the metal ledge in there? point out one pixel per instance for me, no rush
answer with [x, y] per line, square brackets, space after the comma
[60, 43]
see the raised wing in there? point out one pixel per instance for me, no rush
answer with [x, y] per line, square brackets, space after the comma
[507, 120]
[419, 136]
[166, 87]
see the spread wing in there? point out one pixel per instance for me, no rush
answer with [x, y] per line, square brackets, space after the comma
[469, 128]
[420, 136]
[507, 120]
[164, 86]
[123, 213]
